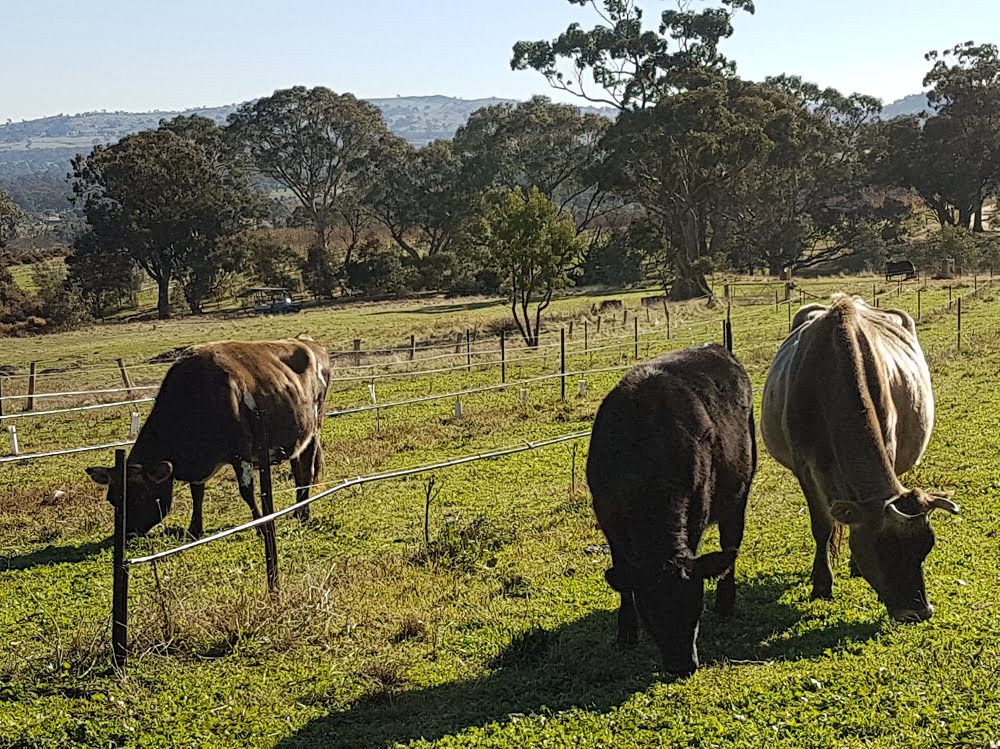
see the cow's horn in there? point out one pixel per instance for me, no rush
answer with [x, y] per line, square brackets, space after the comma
[944, 503]
[899, 514]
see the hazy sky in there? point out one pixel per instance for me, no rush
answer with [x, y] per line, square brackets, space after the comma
[71, 56]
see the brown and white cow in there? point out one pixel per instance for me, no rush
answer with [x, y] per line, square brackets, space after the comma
[672, 452]
[848, 407]
[202, 420]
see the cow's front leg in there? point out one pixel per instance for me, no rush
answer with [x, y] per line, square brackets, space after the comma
[244, 477]
[196, 528]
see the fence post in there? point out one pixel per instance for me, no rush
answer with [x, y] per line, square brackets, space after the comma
[975, 284]
[728, 324]
[959, 330]
[125, 378]
[119, 601]
[635, 321]
[562, 361]
[15, 448]
[949, 298]
[668, 320]
[919, 310]
[3, 379]
[413, 347]
[468, 350]
[874, 293]
[598, 325]
[648, 319]
[789, 316]
[32, 374]
[503, 358]
[266, 499]
[586, 338]
[775, 300]
[624, 316]
[571, 330]
[357, 352]
[458, 344]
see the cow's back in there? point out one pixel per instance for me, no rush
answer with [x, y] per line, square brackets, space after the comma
[677, 430]
[891, 376]
[202, 415]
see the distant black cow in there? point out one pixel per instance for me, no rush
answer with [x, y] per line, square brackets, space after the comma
[672, 452]
[902, 268]
[202, 420]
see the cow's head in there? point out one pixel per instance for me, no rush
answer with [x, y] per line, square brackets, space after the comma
[149, 493]
[889, 541]
[669, 601]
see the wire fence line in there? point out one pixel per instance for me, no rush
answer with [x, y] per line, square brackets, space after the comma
[648, 338]
[349, 483]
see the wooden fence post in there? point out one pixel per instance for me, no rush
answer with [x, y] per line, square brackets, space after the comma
[598, 325]
[586, 337]
[357, 352]
[503, 358]
[668, 320]
[959, 329]
[571, 330]
[413, 347]
[125, 377]
[919, 310]
[3, 379]
[624, 316]
[266, 499]
[458, 344]
[562, 361]
[775, 300]
[635, 321]
[32, 374]
[468, 350]
[119, 601]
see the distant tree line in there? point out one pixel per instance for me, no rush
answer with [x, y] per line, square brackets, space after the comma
[700, 171]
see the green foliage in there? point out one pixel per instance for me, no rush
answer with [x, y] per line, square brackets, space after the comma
[106, 277]
[536, 252]
[60, 301]
[632, 65]
[379, 269]
[169, 202]
[616, 260]
[10, 215]
[271, 262]
[316, 143]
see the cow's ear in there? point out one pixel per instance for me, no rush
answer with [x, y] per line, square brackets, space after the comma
[848, 513]
[160, 472]
[100, 474]
[619, 579]
[714, 564]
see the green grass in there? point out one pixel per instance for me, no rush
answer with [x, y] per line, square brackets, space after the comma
[500, 634]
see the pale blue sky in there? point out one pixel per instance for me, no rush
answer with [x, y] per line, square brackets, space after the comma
[72, 55]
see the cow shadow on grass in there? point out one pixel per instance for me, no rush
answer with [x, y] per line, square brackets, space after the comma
[576, 665]
[51, 554]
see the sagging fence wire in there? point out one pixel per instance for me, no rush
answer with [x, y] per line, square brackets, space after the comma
[349, 483]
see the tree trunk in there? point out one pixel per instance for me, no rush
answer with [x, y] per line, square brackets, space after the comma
[690, 286]
[163, 298]
[689, 282]
[977, 225]
[965, 217]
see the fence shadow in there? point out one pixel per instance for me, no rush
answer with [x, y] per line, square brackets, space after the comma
[54, 555]
[573, 666]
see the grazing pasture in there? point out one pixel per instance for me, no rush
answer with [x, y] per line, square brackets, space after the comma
[473, 610]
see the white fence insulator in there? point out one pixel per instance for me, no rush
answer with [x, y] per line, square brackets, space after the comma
[14, 447]
[583, 388]
[458, 408]
[133, 430]
[524, 396]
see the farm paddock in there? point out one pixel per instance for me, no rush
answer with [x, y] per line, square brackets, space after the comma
[485, 621]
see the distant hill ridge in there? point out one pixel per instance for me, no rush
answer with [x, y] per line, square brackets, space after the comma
[39, 145]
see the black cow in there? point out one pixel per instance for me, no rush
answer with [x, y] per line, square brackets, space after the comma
[673, 451]
[203, 420]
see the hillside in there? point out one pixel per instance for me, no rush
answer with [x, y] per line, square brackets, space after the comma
[35, 154]
[38, 145]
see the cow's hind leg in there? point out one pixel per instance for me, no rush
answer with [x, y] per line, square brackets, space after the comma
[822, 531]
[244, 478]
[731, 527]
[305, 473]
[197, 501]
